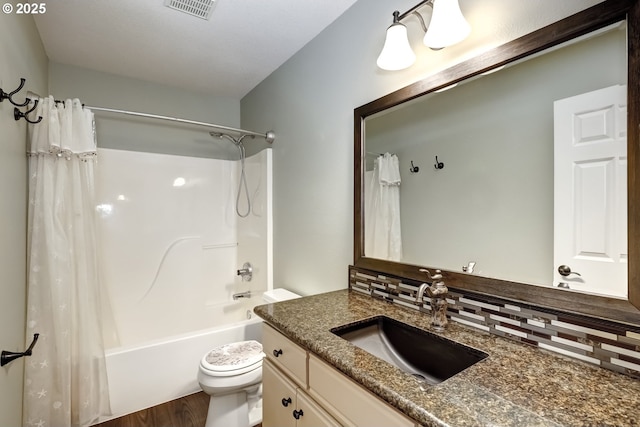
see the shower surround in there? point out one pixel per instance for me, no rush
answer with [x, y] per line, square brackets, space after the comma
[170, 246]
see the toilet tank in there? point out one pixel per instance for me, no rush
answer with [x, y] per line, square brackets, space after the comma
[278, 294]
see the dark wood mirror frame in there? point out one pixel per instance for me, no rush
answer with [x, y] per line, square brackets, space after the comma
[596, 17]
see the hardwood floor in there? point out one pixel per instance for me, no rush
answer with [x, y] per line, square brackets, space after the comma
[189, 411]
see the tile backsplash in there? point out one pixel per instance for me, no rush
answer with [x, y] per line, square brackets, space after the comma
[610, 345]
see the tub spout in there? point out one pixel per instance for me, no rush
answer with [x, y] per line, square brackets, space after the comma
[246, 294]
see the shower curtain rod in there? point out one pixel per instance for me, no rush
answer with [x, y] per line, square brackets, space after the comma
[268, 136]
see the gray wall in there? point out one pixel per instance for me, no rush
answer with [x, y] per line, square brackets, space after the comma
[309, 103]
[21, 55]
[122, 132]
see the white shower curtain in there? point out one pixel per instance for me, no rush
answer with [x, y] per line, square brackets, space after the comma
[65, 378]
[383, 237]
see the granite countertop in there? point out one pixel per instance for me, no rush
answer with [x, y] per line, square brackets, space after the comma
[517, 385]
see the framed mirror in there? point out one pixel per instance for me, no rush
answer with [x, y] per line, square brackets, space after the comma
[484, 210]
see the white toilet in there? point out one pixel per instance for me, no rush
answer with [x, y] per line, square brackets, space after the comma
[232, 375]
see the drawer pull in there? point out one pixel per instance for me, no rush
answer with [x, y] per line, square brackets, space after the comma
[286, 402]
[277, 353]
[297, 414]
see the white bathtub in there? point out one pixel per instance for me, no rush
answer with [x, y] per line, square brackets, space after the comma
[152, 373]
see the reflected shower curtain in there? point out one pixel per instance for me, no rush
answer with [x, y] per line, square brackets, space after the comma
[383, 237]
[65, 378]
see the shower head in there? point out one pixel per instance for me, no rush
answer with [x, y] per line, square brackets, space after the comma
[243, 180]
[236, 141]
[224, 135]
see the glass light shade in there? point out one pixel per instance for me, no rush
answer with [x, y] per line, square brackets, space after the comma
[396, 53]
[447, 26]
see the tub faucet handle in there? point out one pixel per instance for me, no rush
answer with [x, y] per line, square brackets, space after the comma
[246, 272]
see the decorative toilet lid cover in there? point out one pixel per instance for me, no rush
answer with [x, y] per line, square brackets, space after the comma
[233, 356]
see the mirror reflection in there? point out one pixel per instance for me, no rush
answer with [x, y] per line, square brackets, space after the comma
[517, 175]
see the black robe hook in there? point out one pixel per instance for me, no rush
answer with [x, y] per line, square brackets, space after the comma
[17, 114]
[8, 356]
[9, 96]
[413, 168]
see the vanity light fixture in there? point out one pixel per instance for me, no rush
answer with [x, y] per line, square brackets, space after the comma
[396, 53]
[446, 27]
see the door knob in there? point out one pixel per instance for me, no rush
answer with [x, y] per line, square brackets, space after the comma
[565, 270]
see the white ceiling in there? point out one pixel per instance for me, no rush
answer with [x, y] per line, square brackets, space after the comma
[228, 55]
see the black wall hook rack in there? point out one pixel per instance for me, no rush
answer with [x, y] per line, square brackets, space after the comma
[17, 114]
[4, 95]
[9, 356]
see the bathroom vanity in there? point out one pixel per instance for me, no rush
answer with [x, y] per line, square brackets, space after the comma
[299, 389]
[335, 382]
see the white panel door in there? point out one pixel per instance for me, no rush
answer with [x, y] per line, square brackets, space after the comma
[590, 194]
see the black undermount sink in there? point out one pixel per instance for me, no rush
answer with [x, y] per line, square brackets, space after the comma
[415, 351]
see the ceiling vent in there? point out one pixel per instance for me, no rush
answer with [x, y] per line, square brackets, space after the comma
[200, 8]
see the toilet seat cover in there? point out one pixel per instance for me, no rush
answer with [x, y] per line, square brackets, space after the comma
[234, 356]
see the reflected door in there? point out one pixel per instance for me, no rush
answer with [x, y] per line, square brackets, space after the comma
[590, 191]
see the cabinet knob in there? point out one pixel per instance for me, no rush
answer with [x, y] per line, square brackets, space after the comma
[277, 353]
[286, 402]
[297, 414]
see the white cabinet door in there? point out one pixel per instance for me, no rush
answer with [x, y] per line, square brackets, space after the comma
[590, 194]
[311, 414]
[278, 398]
[286, 405]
